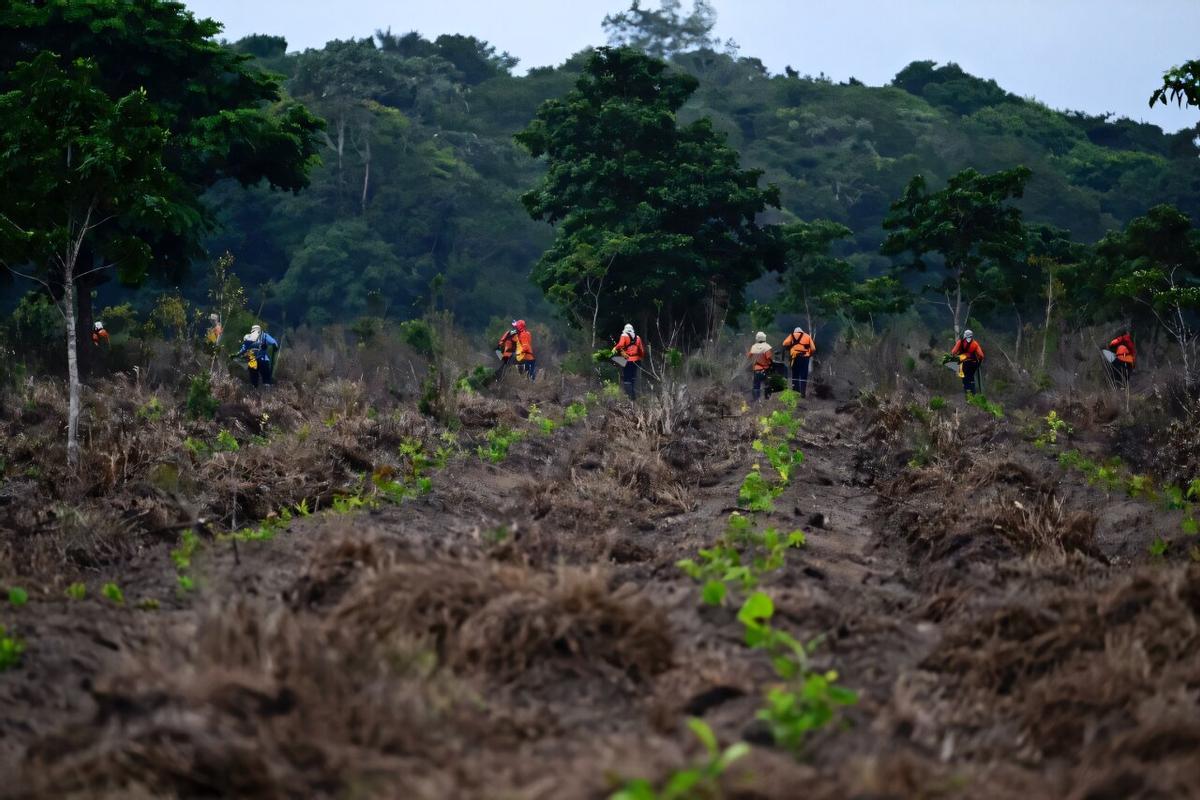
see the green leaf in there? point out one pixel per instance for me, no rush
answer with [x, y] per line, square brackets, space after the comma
[704, 733]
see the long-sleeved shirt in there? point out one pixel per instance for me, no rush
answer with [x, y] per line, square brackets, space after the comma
[261, 347]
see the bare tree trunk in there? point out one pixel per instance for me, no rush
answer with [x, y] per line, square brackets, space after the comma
[1184, 338]
[366, 180]
[1046, 324]
[807, 314]
[1020, 333]
[958, 305]
[72, 364]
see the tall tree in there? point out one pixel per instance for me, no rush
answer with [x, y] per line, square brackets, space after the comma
[970, 224]
[224, 118]
[664, 32]
[1155, 264]
[116, 117]
[620, 168]
[1180, 85]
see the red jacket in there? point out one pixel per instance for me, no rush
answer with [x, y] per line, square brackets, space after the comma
[1123, 347]
[971, 350]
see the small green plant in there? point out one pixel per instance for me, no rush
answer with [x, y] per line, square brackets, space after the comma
[937, 403]
[197, 447]
[793, 712]
[302, 508]
[499, 440]
[148, 604]
[345, 504]
[152, 411]
[17, 596]
[695, 782]
[1159, 547]
[226, 442]
[543, 423]
[11, 649]
[576, 412]
[983, 404]
[782, 457]
[1054, 427]
[77, 591]
[186, 583]
[200, 401]
[113, 593]
[756, 494]
[182, 555]
[1141, 487]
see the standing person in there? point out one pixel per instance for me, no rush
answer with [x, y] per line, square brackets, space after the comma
[1126, 358]
[526, 362]
[760, 356]
[99, 334]
[970, 358]
[507, 348]
[256, 349]
[630, 346]
[801, 348]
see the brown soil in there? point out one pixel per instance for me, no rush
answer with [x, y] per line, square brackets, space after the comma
[523, 632]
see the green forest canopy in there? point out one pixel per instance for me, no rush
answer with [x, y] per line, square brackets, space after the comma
[422, 178]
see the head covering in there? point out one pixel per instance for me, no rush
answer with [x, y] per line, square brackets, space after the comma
[254, 334]
[98, 325]
[520, 325]
[798, 329]
[968, 334]
[627, 330]
[760, 337]
[213, 317]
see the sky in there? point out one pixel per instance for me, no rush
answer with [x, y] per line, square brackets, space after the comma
[1097, 56]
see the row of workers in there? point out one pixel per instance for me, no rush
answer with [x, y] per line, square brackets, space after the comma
[516, 346]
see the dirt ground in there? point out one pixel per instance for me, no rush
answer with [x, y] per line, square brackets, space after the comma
[522, 631]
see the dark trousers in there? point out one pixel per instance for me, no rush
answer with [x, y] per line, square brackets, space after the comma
[1122, 371]
[528, 369]
[261, 373]
[969, 368]
[629, 379]
[760, 378]
[800, 365]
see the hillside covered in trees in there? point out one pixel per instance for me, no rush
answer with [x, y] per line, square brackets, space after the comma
[416, 202]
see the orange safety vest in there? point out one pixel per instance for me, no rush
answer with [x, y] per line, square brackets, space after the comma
[524, 346]
[972, 351]
[1123, 347]
[98, 335]
[631, 348]
[802, 345]
[507, 344]
[762, 361]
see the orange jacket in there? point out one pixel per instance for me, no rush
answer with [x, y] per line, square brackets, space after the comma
[507, 344]
[99, 336]
[1123, 347]
[971, 350]
[524, 343]
[632, 349]
[802, 345]
[762, 361]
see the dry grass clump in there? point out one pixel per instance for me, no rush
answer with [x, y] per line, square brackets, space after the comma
[1103, 678]
[268, 704]
[506, 621]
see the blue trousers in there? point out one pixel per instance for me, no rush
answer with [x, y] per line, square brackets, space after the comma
[800, 365]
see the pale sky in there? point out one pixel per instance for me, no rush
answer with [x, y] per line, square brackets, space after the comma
[1089, 55]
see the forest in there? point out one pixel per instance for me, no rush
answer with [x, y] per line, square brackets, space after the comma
[387, 420]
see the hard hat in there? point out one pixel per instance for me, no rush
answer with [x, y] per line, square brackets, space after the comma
[968, 334]
[628, 329]
[798, 330]
[98, 325]
[760, 337]
[213, 317]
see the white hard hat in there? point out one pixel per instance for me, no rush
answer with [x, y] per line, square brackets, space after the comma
[798, 330]
[98, 325]
[968, 334]
[760, 337]
[628, 329]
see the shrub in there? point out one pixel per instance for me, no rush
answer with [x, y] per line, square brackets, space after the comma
[11, 648]
[113, 593]
[200, 401]
[77, 591]
[17, 596]
[700, 780]
[226, 442]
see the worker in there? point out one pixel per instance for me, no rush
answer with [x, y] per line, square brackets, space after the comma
[631, 348]
[526, 361]
[256, 350]
[1126, 357]
[800, 347]
[970, 359]
[99, 334]
[215, 330]
[760, 356]
[506, 348]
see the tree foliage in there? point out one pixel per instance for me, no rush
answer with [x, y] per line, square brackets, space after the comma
[663, 32]
[970, 224]
[666, 206]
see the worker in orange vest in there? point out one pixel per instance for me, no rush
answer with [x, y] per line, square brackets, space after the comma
[526, 362]
[1126, 358]
[631, 348]
[970, 358]
[506, 348]
[800, 347]
[760, 356]
[99, 334]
